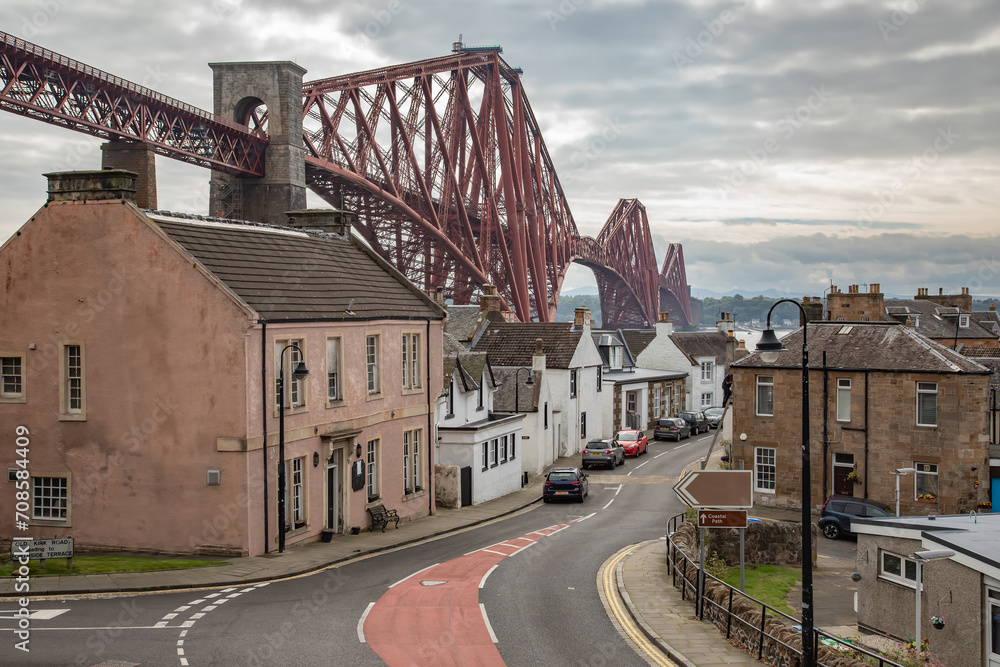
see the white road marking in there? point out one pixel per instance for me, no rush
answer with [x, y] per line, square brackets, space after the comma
[208, 608]
[184, 662]
[199, 601]
[182, 608]
[37, 614]
[414, 574]
[486, 619]
[114, 627]
[160, 624]
[195, 617]
[361, 622]
[618, 491]
[639, 466]
[681, 446]
[609, 504]
[213, 595]
[187, 624]
[659, 455]
[228, 590]
[180, 651]
[183, 633]
[490, 551]
[482, 582]
[180, 642]
[167, 617]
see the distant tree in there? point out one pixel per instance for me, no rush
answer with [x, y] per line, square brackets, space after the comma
[569, 304]
[744, 310]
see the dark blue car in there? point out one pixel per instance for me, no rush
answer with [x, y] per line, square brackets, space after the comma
[568, 483]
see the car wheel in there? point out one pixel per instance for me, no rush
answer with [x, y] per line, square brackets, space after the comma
[831, 531]
[545, 499]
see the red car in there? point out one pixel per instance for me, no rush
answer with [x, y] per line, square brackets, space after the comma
[633, 442]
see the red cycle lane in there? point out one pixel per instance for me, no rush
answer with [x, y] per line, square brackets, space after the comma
[433, 617]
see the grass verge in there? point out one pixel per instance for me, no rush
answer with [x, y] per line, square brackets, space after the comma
[767, 583]
[105, 564]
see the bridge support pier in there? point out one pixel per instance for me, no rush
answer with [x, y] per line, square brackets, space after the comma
[242, 92]
[134, 156]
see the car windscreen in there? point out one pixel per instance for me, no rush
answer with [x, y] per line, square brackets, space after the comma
[713, 411]
[627, 437]
[562, 477]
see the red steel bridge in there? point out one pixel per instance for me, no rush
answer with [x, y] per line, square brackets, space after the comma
[442, 161]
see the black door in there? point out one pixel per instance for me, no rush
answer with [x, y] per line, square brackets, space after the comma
[466, 486]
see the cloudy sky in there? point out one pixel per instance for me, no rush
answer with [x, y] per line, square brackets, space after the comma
[784, 144]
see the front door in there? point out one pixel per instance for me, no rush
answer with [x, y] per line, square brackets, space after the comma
[843, 465]
[631, 404]
[333, 506]
[993, 626]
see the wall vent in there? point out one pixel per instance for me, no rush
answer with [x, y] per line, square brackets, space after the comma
[214, 477]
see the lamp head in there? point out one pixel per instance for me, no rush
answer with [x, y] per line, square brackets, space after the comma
[769, 346]
[530, 381]
[300, 370]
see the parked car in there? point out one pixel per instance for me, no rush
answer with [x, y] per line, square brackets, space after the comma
[696, 420]
[565, 483]
[603, 452]
[633, 441]
[835, 518]
[714, 416]
[673, 428]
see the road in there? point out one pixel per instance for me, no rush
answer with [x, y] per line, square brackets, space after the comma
[529, 580]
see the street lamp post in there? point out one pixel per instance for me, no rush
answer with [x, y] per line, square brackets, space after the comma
[517, 386]
[899, 472]
[920, 557]
[769, 346]
[300, 371]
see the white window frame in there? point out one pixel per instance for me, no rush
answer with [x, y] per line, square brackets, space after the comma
[925, 477]
[451, 397]
[600, 377]
[902, 579]
[334, 387]
[843, 399]
[494, 452]
[411, 361]
[372, 485]
[407, 487]
[503, 449]
[656, 402]
[707, 371]
[295, 500]
[415, 460]
[765, 384]
[765, 469]
[583, 425]
[72, 381]
[706, 399]
[572, 383]
[55, 507]
[615, 357]
[295, 387]
[513, 446]
[372, 364]
[927, 392]
[963, 321]
[12, 377]
[486, 455]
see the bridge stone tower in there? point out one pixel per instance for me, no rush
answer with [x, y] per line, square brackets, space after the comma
[241, 90]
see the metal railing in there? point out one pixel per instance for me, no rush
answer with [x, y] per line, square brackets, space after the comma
[679, 562]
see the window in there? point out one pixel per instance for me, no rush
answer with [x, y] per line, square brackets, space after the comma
[50, 498]
[583, 425]
[765, 395]
[503, 449]
[546, 416]
[451, 398]
[866, 319]
[371, 360]
[993, 614]
[925, 481]
[600, 377]
[840, 319]
[615, 357]
[333, 391]
[411, 361]
[295, 395]
[486, 455]
[706, 399]
[572, 383]
[843, 399]
[295, 508]
[656, 403]
[480, 393]
[706, 371]
[927, 404]
[73, 385]
[11, 379]
[411, 461]
[898, 568]
[372, 470]
[963, 321]
[495, 453]
[630, 402]
[765, 469]
[407, 487]
[513, 446]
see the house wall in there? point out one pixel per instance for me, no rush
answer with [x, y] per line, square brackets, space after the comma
[957, 445]
[663, 354]
[950, 590]
[165, 376]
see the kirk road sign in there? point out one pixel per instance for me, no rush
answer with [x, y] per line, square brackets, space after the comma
[721, 489]
[722, 518]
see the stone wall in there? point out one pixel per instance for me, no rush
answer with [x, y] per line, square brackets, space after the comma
[765, 543]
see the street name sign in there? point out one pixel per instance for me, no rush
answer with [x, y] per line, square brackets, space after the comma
[27, 548]
[722, 518]
[720, 489]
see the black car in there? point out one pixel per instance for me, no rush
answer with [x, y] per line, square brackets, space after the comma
[565, 483]
[696, 420]
[835, 519]
[673, 428]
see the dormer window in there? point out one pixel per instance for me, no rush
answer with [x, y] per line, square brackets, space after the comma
[963, 321]
[615, 357]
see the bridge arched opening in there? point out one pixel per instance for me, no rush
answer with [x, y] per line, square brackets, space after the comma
[252, 112]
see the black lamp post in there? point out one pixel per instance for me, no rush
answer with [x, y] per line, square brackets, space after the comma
[769, 346]
[300, 371]
[517, 386]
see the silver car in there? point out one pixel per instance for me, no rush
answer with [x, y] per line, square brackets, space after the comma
[608, 453]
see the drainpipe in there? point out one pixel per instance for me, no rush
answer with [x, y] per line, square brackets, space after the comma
[431, 440]
[866, 433]
[263, 398]
[826, 417]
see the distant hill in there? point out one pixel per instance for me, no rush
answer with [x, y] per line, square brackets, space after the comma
[579, 291]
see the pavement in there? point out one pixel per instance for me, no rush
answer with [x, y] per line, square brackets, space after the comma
[642, 579]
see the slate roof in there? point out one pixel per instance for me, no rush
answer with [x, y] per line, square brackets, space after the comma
[639, 339]
[990, 319]
[527, 395]
[881, 346]
[712, 344]
[463, 322]
[287, 274]
[935, 321]
[605, 339]
[513, 343]
[470, 365]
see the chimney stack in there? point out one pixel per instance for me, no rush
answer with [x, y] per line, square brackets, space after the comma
[489, 301]
[581, 317]
[103, 185]
[329, 220]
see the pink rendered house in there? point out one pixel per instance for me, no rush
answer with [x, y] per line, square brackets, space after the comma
[139, 350]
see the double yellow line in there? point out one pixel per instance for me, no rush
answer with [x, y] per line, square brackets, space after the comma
[624, 618]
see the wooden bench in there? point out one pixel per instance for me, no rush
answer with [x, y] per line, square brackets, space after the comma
[382, 516]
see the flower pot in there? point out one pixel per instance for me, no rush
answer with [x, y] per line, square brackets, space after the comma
[326, 535]
[355, 530]
[938, 624]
